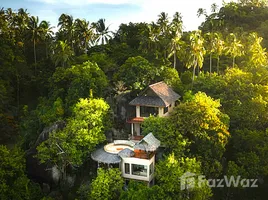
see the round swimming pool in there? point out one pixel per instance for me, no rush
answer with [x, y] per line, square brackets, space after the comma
[116, 148]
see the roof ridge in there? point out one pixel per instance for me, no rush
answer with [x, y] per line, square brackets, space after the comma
[156, 83]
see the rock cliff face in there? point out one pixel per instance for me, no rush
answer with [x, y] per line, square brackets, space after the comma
[42, 173]
[122, 111]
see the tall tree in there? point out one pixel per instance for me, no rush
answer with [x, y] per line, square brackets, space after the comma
[219, 48]
[257, 54]
[84, 31]
[102, 32]
[62, 54]
[35, 33]
[214, 47]
[234, 47]
[67, 28]
[197, 51]
[176, 33]
[47, 33]
[164, 33]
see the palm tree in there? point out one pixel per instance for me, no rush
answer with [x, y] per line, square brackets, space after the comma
[47, 33]
[84, 32]
[176, 33]
[234, 47]
[62, 54]
[153, 33]
[163, 21]
[164, 32]
[10, 17]
[214, 8]
[67, 27]
[210, 47]
[197, 51]
[102, 32]
[219, 48]
[201, 11]
[35, 33]
[258, 54]
[22, 19]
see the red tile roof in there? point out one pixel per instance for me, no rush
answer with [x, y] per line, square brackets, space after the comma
[136, 120]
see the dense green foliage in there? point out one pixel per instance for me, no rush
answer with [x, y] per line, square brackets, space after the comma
[107, 185]
[84, 130]
[218, 128]
[14, 184]
[169, 173]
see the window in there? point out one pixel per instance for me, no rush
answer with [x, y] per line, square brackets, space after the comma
[147, 111]
[139, 170]
[127, 168]
[165, 110]
[151, 168]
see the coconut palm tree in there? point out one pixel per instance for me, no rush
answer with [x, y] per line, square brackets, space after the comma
[35, 33]
[210, 47]
[197, 51]
[164, 32]
[84, 31]
[258, 54]
[67, 29]
[176, 33]
[102, 32]
[202, 11]
[47, 33]
[62, 54]
[219, 48]
[234, 47]
[10, 17]
[22, 20]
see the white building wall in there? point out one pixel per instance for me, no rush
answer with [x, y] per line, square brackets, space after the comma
[138, 111]
[137, 129]
[170, 109]
[160, 112]
[138, 161]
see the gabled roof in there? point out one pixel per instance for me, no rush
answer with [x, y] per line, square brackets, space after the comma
[163, 96]
[148, 143]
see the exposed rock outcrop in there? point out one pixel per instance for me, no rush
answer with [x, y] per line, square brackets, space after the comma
[42, 173]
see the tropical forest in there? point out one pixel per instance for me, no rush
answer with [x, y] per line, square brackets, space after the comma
[65, 92]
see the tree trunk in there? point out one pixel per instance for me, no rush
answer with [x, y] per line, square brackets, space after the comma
[86, 46]
[233, 61]
[34, 57]
[218, 64]
[18, 92]
[210, 64]
[194, 73]
[175, 59]
[34, 51]
[46, 50]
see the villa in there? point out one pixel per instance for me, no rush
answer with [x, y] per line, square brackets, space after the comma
[136, 160]
[157, 99]
[136, 157]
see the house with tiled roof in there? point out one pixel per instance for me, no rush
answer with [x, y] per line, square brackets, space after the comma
[157, 99]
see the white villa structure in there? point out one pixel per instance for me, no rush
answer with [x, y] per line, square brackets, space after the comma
[157, 99]
[135, 159]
